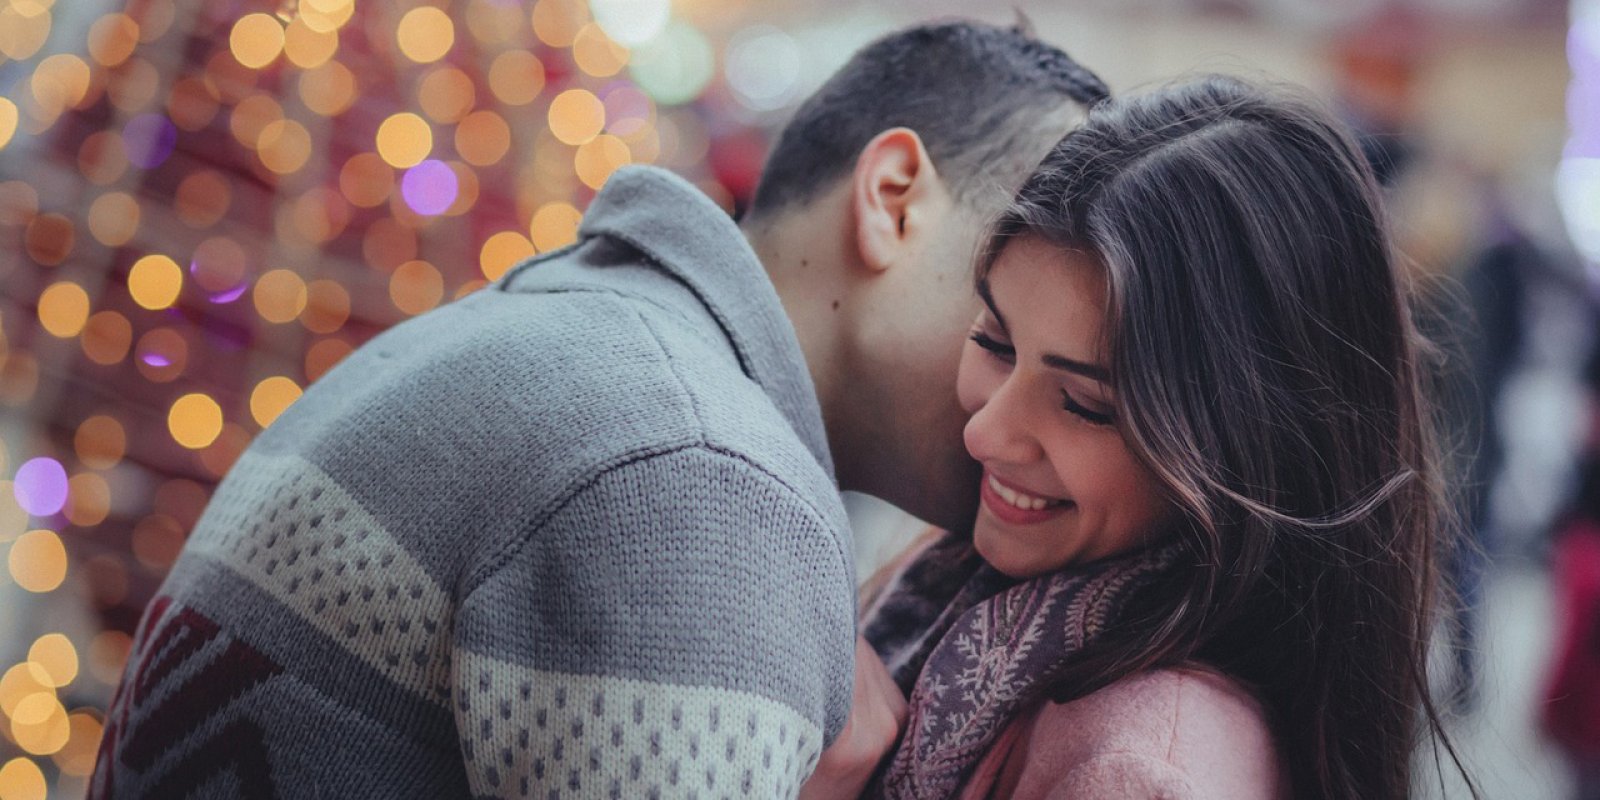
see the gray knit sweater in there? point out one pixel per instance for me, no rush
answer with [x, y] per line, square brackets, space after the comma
[575, 535]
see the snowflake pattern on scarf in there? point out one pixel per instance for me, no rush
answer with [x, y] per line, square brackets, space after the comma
[991, 650]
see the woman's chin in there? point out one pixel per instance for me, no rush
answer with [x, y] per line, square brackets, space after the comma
[1005, 556]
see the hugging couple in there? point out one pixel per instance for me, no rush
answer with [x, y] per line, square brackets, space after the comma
[1146, 362]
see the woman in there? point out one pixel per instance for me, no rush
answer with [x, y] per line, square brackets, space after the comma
[1210, 508]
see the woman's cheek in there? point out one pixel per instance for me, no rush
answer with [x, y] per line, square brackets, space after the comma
[975, 379]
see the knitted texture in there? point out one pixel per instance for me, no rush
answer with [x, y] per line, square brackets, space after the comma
[575, 535]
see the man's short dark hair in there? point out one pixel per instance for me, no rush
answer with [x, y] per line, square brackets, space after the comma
[987, 102]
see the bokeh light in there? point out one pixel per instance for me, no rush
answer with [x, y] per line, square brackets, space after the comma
[597, 54]
[190, 105]
[114, 218]
[516, 77]
[631, 22]
[195, 420]
[306, 47]
[106, 337]
[77, 757]
[161, 355]
[430, 187]
[676, 66]
[38, 561]
[366, 180]
[220, 268]
[502, 251]
[483, 138]
[202, 199]
[280, 296]
[327, 307]
[50, 238]
[416, 287]
[251, 117]
[148, 140]
[88, 499]
[21, 779]
[271, 397]
[576, 116]
[63, 309]
[112, 39]
[22, 35]
[284, 146]
[8, 121]
[446, 94]
[557, 22]
[426, 34]
[764, 67]
[100, 442]
[155, 282]
[102, 158]
[210, 211]
[328, 90]
[599, 157]
[257, 40]
[56, 656]
[404, 140]
[40, 486]
[554, 225]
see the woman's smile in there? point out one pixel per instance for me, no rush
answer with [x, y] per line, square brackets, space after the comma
[1013, 505]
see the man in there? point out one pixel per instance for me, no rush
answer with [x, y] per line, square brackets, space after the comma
[580, 533]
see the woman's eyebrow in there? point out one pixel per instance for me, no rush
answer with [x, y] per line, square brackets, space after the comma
[1087, 370]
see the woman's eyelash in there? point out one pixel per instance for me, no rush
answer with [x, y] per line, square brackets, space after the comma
[993, 345]
[1006, 351]
[1092, 417]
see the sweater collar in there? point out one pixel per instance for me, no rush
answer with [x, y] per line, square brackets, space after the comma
[690, 237]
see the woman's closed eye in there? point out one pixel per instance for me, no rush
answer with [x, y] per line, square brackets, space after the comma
[997, 348]
[1089, 415]
[1008, 354]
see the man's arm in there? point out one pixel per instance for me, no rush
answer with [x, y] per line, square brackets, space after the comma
[683, 625]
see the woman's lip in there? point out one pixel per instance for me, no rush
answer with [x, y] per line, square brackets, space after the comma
[1010, 514]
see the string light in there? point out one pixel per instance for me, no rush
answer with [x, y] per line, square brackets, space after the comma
[270, 238]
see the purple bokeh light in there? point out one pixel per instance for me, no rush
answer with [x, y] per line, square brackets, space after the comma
[225, 297]
[1583, 93]
[430, 187]
[627, 108]
[149, 139]
[41, 487]
[156, 360]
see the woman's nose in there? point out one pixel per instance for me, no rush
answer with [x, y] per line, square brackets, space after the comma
[1001, 430]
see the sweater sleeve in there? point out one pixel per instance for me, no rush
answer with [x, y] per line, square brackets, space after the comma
[684, 624]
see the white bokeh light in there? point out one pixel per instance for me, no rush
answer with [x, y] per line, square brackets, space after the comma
[763, 67]
[675, 67]
[631, 22]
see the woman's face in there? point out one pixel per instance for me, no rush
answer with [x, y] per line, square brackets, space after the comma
[1060, 485]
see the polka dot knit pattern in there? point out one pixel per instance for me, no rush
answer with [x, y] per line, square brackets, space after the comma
[575, 535]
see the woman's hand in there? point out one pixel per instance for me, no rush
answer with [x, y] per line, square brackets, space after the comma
[877, 713]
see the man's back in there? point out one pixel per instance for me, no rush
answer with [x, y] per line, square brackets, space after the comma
[576, 532]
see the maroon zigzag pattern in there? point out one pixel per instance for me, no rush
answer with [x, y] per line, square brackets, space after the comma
[164, 646]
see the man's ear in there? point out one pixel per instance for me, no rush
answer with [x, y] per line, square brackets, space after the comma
[894, 189]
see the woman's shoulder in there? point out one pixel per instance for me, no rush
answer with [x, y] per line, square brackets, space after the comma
[1180, 732]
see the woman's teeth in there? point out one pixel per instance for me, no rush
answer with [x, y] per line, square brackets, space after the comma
[1021, 500]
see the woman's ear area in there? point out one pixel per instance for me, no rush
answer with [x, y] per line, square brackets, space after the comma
[896, 196]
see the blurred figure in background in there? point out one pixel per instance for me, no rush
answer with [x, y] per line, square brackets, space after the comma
[1570, 715]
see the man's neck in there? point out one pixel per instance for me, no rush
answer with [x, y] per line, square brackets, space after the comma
[812, 294]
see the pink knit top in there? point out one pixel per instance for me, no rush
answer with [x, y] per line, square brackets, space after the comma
[1170, 734]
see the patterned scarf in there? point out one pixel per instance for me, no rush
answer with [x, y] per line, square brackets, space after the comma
[976, 649]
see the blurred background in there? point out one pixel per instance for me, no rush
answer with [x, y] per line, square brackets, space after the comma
[205, 205]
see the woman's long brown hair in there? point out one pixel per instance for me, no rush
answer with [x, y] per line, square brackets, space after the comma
[1266, 369]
